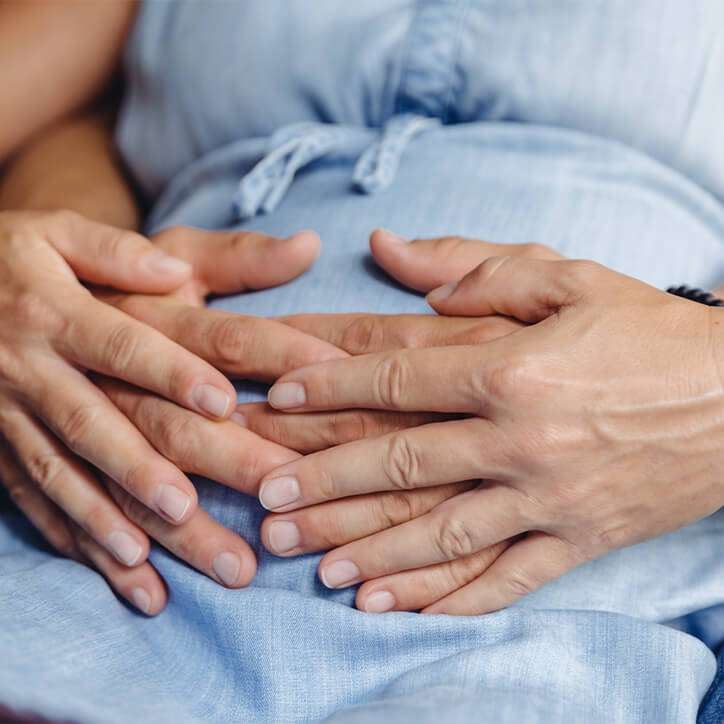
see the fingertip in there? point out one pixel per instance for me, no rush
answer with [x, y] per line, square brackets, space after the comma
[235, 569]
[150, 598]
[165, 266]
[287, 396]
[216, 400]
[386, 238]
[176, 503]
[248, 569]
[437, 296]
[281, 536]
[306, 243]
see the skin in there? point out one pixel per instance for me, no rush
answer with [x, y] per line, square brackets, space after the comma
[580, 450]
[32, 98]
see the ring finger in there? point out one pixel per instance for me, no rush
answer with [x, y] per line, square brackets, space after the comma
[416, 589]
[457, 528]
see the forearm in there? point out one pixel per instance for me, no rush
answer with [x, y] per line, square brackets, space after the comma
[72, 165]
[55, 57]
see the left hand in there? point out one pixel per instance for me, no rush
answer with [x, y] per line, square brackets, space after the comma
[581, 448]
[241, 346]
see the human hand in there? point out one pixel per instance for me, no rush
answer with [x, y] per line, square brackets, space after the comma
[581, 449]
[420, 264]
[54, 421]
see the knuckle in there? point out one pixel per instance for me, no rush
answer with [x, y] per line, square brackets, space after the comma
[30, 310]
[76, 425]
[228, 338]
[47, 472]
[138, 478]
[12, 370]
[363, 334]
[96, 519]
[490, 267]
[489, 329]
[518, 583]
[453, 539]
[133, 508]
[390, 379]
[457, 573]
[176, 435]
[581, 271]
[535, 250]
[449, 244]
[326, 486]
[348, 427]
[121, 347]
[112, 244]
[395, 508]
[401, 462]
[520, 375]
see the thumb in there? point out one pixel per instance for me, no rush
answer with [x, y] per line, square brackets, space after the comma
[112, 257]
[227, 262]
[425, 264]
[529, 290]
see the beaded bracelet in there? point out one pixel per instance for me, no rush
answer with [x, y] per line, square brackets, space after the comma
[696, 295]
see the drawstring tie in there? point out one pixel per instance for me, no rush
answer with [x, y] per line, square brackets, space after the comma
[296, 146]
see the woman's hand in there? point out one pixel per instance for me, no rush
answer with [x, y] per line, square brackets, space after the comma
[420, 263]
[58, 427]
[584, 429]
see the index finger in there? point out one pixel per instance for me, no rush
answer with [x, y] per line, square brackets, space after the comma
[437, 379]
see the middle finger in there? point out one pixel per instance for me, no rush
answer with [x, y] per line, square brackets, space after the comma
[414, 458]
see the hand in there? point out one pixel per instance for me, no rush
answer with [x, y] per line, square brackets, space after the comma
[54, 420]
[52, 331]
[581, 450]
[420, 263]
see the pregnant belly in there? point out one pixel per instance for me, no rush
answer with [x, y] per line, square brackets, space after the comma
[584, 196]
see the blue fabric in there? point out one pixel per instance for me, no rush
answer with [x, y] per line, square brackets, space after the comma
[592, 127]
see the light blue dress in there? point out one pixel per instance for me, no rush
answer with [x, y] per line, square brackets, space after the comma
[595, 127]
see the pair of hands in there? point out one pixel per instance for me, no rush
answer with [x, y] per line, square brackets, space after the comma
[100, 410]
[580, 449]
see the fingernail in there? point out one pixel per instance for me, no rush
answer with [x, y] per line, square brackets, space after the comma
[164, 264]
[443, 292]
[279, 492]
[141, 600]
[283, 536]
[392, 237]
[212, 400]
[287, 395]
[125, 547]
[380, 602]
[172, 502]
[226, 567]
[339, 574]
[239, 418]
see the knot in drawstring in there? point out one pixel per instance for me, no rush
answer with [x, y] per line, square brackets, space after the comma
[298, 145]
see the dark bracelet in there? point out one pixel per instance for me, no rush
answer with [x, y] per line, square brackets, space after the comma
[696, 295]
